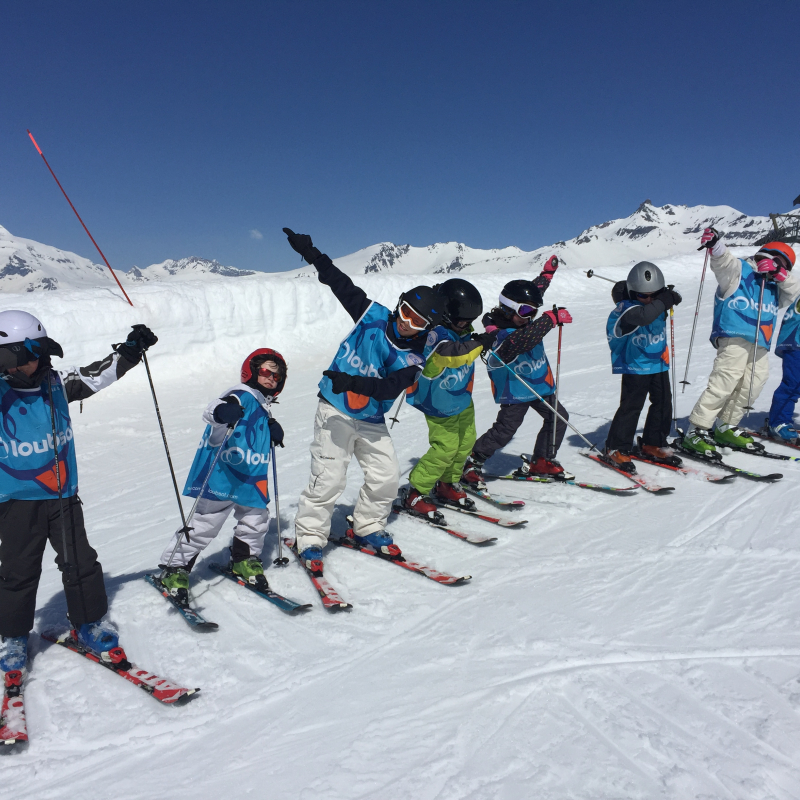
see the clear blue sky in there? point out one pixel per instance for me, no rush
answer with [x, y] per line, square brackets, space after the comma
[180, 127]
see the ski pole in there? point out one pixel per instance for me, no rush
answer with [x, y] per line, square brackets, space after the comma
[590, 273]
[539, 397]
[396, 410]
[558, 380]
[164, 438]
[185, 529]
[39, 150]
[685, 382]
[281, 560]
[673, 368]
[749, 407]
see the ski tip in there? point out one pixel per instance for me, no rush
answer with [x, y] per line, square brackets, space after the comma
[663, 490]
[333, 607]
[512, 523]
[206, 627]
[186, 697]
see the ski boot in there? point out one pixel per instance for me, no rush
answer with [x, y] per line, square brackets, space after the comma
[312, 559]
[380, 542]
[735, 438]
[701, 442]
[251, 570]
[176, 581]
[453, 493]
[421, 505]
[661, 455]
[782, 433]
[619, 460]
[543, 467]
[473, 471]
[14, 654]
[100, 639]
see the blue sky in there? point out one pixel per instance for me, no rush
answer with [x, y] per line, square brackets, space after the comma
[179, 128]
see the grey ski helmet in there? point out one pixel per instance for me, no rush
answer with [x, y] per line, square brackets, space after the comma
[645, 278]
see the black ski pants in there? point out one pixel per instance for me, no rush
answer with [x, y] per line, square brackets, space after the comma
[635, 389]
[25, 527]
[509, 419]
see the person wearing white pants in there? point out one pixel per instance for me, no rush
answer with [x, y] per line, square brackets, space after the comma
[746, 304]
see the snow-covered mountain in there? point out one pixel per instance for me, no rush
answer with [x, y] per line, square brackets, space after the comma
[651, 232]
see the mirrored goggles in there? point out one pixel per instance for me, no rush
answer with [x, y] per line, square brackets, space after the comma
[523, 310]
[412, 318]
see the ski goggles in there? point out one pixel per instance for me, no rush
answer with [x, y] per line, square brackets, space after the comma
[412, 318]
[521, 309]
[645, 295]
[266, 372]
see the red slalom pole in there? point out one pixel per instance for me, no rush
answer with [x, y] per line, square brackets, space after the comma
[39, 150]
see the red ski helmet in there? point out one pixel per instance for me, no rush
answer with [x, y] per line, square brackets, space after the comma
[772, 249]
[257, 358]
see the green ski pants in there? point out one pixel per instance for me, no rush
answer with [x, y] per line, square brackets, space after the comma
[451, 440]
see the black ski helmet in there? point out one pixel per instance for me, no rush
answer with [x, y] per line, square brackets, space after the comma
[520, 291]
[462, 298]
[427, 302]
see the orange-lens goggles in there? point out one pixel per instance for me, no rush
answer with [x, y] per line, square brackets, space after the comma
[412, 318]
[264, 373]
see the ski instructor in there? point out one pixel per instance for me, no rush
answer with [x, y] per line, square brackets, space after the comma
[379, 358]
[39, 495]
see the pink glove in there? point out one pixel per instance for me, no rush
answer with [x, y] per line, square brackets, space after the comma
[709, 238]
[551, 265]
[561, 318]
[772, 270]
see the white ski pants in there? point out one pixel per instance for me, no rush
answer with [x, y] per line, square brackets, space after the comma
[251, 528]
[337, 438]
[729, 383]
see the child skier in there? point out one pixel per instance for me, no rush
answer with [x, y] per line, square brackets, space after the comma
[736, 304]
[518, 355]
[780, 424]
[443, 392]
[39, 494]
[240, 477]
[637, 336]
[377, 360]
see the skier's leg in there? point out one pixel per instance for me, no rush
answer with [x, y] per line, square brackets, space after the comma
[659, 415]
[443, 440]
[632, 396]
[787, 394]
[733, 411]
[252, 525]
[466, 433]
[727, 374]
[509, 418]
[83, 579]
[544, 440]
[206, 523]
[376, 455]
[23, 537]
[331, 453]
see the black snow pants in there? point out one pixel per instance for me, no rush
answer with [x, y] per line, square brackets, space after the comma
[510, 417]
[635, 389]
[25, 527]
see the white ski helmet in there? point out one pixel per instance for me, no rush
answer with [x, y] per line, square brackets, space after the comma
[645, 278]
[17, 326]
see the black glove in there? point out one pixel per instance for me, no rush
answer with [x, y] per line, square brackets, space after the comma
[342, 382]
[669, 297]
[139, 339]
[709, 238]
[275, 432]
[301, 243]
[229, 412]
[486, 340]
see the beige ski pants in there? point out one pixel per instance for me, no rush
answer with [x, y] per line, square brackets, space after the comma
[729, 383]
[337, 438]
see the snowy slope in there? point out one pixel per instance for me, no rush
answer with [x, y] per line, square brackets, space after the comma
[642, 647]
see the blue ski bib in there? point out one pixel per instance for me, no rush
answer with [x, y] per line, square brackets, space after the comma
[643, 351]
[367, 351]
[789, 334]
[531, 366]
[241, 474]
[738, 314]
[27, 457]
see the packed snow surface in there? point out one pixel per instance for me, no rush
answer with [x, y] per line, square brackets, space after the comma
[615, 647]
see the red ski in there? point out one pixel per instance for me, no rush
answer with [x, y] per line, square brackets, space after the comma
[701, 473]
[471, 538]
[503, 523]
[329, 596]
[13, 730]
[645, 483]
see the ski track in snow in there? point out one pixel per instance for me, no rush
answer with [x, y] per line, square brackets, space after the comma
[615, 647]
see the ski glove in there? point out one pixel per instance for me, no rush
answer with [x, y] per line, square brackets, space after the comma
[709, 238]
[275, 432]
[563, 316]
[486, 340]
[551, 265]
[139, 339]
[772, 270]
[301, 243]
[669, 297]
[341, 381]
[228, 412]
